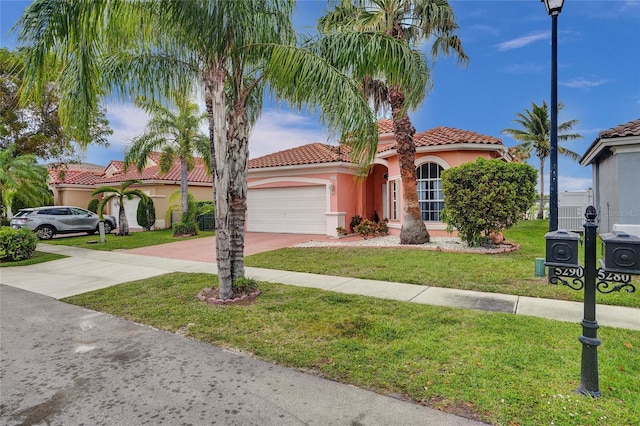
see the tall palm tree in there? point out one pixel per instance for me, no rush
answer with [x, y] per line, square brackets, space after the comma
[121, 192]
[21, 174]
[534, 135]
[133, 47]
[176, 134]
[411, 21]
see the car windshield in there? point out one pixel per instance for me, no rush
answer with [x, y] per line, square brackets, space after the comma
[22, 213]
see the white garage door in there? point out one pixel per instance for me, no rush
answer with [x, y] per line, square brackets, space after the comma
[295, 210]
[130, 209]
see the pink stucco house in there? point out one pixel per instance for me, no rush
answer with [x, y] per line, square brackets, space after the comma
[315, 188]
[311, 189]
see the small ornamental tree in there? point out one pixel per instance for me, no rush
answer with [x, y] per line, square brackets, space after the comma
[93, 205]
[486, 196]
[146, 214]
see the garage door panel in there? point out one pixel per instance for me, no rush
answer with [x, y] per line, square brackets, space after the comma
[294, 210]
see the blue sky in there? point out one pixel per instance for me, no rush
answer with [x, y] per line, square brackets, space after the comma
[509, 45]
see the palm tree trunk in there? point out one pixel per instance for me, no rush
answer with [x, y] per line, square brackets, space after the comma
[214, 87]
[541, 209]
[239, 167]
[413, 229]
[184, 189]
[123, 227]
[212, 149]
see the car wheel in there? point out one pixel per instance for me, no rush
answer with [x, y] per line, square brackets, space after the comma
[108, 228]
[45, 232]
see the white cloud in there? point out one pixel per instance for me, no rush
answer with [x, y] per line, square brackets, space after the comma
[571, 183]
[519, 42]
[485, 29]
[567, 183]
[582, 83]
[280, 130]
[528, 68]
[127, 121]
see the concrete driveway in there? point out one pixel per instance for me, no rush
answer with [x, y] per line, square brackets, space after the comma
[204, 249]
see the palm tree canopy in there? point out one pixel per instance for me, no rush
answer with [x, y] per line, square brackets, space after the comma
[159, 48]
[534, 132]
[412, 21]
[21, 174]
[121, 192]
[175, 134]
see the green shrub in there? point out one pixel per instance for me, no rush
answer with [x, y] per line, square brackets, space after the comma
[17, 244]
[368, 228]
[355, 221]
[93, 205]
[485, 196]
[185, 228]
[146, 213]
[244, 285]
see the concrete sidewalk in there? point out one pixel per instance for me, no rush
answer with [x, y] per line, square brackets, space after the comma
[87, 270]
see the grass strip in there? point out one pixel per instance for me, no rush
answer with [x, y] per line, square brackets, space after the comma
[38, 257]
[495, 367]
[131, 241]
[508, 273]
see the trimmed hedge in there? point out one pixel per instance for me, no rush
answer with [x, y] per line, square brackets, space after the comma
[486, 196]
[17, 244]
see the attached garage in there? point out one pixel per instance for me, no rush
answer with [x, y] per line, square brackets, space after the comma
[291, 210]
[130, 209]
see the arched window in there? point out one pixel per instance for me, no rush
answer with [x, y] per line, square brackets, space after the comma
[430, 196]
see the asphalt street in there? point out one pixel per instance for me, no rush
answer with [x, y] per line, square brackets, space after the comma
[67, 365]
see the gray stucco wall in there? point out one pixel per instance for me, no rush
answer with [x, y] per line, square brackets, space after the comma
[629, 188]
[606, 180]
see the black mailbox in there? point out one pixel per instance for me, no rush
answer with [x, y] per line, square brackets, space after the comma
[621, 253]
[562, 249]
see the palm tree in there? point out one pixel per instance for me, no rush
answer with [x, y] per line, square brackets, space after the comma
[411, 21]
[121, 192]
[163, 47]
[534, 135]
[177, 134]
[21, 175]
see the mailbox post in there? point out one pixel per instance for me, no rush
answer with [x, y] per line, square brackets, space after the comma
[622, 259]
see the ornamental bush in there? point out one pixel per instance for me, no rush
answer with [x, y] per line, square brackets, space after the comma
[368, 228]
[146, 214]
[185, 228]
[17, 244]
[485, 196]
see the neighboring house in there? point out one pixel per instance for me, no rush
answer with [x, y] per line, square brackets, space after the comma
[72, 184]
[75, 185]
[615, 160]
[316, 188]
[311, 189]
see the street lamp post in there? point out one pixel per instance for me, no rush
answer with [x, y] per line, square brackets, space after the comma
[554, 7]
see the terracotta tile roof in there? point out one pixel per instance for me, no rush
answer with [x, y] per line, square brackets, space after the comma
[73, 177]
[317, 153]
[75, 173]
[197, 175]
[117, 164]
[447, 136]
[632, 128]
[385, 126]
[313, 153]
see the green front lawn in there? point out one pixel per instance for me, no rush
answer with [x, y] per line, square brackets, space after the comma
[509, 273]
[500, 368]
[131, 241]
[38, 257]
